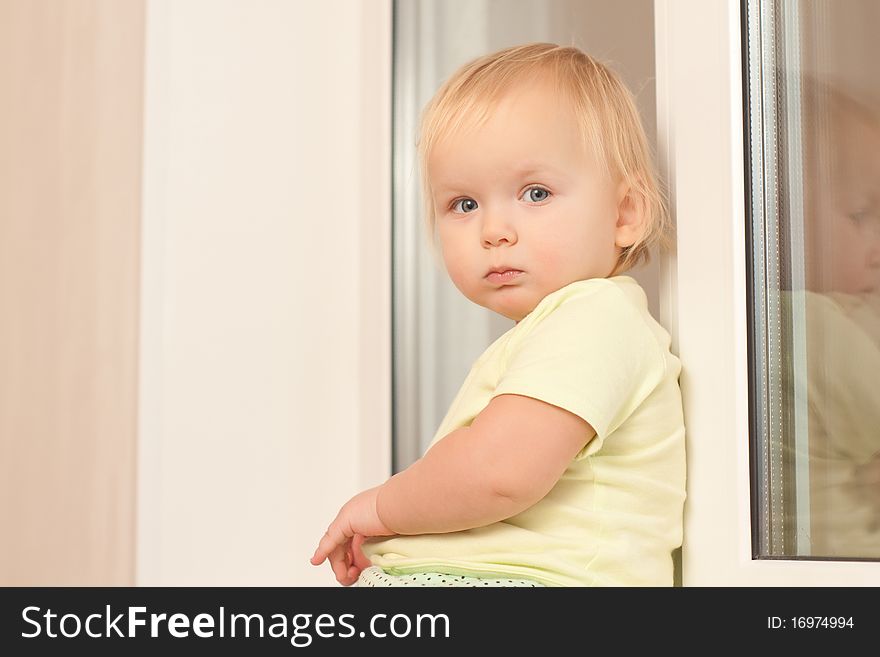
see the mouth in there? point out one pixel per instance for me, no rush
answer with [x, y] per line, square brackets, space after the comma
[502, 275]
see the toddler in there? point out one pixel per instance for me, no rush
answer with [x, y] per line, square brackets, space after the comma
[841, 309]
[561, 461]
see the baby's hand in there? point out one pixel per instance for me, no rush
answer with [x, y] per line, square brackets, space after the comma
[356, 520]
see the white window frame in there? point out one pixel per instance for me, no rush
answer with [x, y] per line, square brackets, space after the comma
[703, 290]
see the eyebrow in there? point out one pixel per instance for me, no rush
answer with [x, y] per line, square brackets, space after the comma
[535, 168]
[526, 169]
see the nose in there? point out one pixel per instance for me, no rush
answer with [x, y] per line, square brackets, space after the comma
[496, 230]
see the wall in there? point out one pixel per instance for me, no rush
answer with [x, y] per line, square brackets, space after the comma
[70, 157]
[194, 285]
[265, 379]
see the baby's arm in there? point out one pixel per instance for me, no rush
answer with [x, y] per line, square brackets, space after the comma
[510, 457]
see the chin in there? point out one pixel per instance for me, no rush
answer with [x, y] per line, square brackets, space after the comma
[515, 313]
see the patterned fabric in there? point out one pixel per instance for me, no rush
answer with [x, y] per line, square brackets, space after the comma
[375, 576]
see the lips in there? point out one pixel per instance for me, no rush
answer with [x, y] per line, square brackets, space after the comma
[502, 275]
[500, 269]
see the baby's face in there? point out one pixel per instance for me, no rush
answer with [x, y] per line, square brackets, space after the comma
[518, 193]
[844, 211]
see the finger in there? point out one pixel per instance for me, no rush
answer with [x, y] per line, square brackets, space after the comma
[354, 570]
[360, 559]
[353, 574]
[318, 558]
[332, 537]
[344, 574]
[339, 563]
[336, 565]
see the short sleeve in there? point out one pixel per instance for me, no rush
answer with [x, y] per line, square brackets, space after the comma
[593, 355]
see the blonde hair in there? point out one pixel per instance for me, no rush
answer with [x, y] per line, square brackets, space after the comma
[833, 123]
[607, 119]
[836, 127]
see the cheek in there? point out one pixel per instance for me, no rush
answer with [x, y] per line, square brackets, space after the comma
[590, 235]
[544, 248]
[848, 254]
[848, 242]
[593, 223]
[453, 255]
[554, 255]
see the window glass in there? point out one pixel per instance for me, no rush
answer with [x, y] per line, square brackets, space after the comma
[813, 126]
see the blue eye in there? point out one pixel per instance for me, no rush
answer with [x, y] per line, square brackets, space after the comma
[858, 216]
[866, 219]
[537, 189]
[463, 200]
[472, 204]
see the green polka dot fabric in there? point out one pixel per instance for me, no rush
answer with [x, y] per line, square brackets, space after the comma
[375, 576]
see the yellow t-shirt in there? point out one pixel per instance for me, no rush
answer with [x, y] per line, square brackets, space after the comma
[615, 515]
[843, 420]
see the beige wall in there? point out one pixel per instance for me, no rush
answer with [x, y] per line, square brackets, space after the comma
[70, 156]
[194, 285]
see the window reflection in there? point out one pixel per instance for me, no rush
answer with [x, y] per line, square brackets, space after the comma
[814, 268]
[841, 163]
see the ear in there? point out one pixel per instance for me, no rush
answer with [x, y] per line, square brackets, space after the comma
[631, 216]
